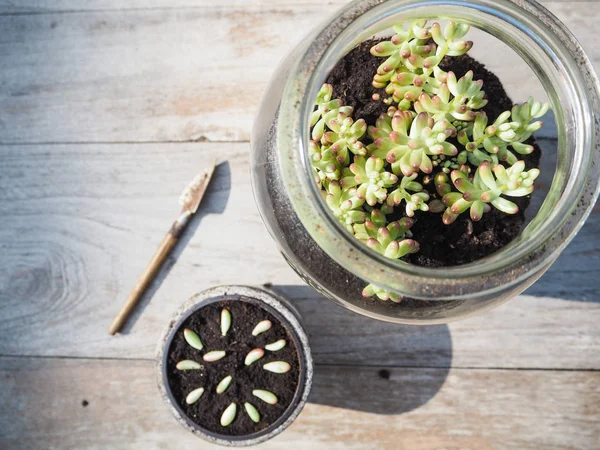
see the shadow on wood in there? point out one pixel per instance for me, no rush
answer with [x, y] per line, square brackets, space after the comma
[376, 390]
[574, 275]
[341, 340]
[571, 277]
[214, 202]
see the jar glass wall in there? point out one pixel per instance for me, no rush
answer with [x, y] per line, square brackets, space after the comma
[331, 259]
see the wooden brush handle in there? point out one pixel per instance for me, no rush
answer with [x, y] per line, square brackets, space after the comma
[152, 269]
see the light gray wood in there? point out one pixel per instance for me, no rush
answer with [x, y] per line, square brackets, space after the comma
[52, 6]
[139, 75]
[350, 408]
[81, 221]
[49, 6]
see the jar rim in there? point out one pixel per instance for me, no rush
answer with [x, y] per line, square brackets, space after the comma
[572, 75]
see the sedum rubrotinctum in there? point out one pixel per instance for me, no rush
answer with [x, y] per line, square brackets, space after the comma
[433, 131]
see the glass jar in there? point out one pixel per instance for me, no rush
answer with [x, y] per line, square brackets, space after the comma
[339, 266]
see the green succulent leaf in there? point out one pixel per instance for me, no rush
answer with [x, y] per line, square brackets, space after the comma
[413, 56]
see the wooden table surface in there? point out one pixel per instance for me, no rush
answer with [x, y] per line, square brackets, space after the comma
[107, 109]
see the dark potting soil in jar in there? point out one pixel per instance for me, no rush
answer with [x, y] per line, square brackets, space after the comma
[441, 245]
[238, 341]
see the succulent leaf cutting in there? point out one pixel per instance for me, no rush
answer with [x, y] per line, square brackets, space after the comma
[194, 396]
[433, 132]
[261, 327]
[253, 356]
[193, 339]
[215, 355]
[252, 412]
[278, 367]
[225, 321]
[275, 346]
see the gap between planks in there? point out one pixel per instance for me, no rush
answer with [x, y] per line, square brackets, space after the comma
[317, 364]
[190, 141]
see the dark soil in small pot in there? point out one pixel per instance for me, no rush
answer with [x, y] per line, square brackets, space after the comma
[265, 349]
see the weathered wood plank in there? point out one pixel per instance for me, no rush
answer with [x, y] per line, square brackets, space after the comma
[68, 6]
[84, 191]
[49, 6]
[81, 221]
[350, 407]
[143, 75]
[139, 75]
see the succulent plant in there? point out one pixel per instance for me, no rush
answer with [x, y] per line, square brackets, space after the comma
[326, 109]
[443, 185]
[188, 365]
[376, 216]
[387, 240]
[345, 204]
[325, 162]
[194, 396]
[413, 56]
[487, 188]
[370, 179]
[417, 201]
[454, 98]
[335, 135]
[192, 339]
[344, 136]
[510, 129]
[432, 132]
[214, 355]
[407, 141]
[372, 290]
[224, 384]
[228, 415]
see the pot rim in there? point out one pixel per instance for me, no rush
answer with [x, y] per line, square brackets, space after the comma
[283, 311]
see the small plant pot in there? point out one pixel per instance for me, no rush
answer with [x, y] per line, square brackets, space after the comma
[235, 345]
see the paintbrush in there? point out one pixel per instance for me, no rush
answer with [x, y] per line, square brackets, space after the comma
[190, 201]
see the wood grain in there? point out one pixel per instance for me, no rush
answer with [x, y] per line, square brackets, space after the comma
[68, 6]
[350, 408]
[133, 74]
[49, 6]
[82, 221]
[87, 87]
[149, 274]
